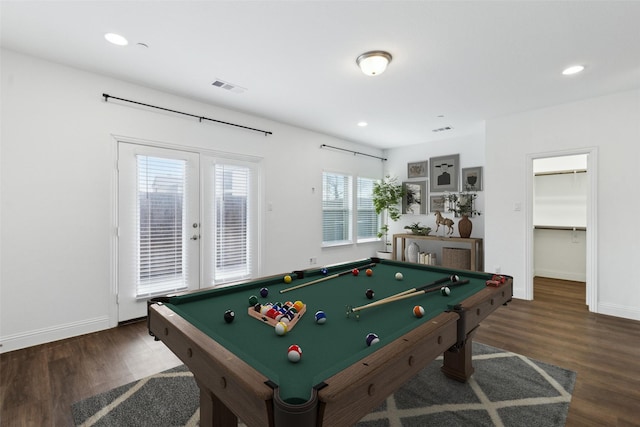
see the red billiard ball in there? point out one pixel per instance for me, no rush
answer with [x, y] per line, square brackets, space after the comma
[294, 353]
[369, 272]
[355, 271]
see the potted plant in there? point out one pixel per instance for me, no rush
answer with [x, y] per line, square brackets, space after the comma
[416, 228]
[462, 204]
[387, 194]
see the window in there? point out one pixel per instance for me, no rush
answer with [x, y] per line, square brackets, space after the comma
[336, 208]
[367, 218]
[338, 216]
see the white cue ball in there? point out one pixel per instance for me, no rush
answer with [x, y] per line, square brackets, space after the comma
[399, 276]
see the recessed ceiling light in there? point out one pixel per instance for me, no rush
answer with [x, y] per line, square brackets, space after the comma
[116, 39]
[362, 124]
[574, 69]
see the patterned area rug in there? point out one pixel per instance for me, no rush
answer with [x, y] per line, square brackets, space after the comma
[506, 389]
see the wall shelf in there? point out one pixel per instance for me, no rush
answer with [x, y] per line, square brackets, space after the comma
[476, 246]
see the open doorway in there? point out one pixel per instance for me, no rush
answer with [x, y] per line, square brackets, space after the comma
[561, 222]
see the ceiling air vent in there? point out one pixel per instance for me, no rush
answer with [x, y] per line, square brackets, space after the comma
[442, 129]
[228, 86]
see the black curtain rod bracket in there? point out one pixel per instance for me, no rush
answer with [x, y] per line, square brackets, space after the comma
[200, 118]
[355, 153]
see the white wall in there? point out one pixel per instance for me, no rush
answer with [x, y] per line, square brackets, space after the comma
[560, 254]
[612, 125]
[471, 150]
[58, 184]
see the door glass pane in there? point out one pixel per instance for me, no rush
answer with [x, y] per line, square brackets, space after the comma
[233, 227]
[161, 265]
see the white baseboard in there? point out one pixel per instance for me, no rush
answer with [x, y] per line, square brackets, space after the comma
[561, 275]
[54, 333]
[616, 310]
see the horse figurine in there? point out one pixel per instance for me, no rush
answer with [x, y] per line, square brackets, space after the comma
[446, 222]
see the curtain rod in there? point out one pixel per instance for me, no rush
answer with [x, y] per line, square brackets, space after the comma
[354, 152]
[200, 118]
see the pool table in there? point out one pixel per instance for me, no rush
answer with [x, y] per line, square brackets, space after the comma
[242, 367]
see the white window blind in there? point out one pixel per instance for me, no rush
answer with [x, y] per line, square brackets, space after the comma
[336, 208]
[367, 219]
[233, 236]
[161, 266]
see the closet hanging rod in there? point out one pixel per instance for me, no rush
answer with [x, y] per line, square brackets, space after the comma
[200, 118]
[354, 152]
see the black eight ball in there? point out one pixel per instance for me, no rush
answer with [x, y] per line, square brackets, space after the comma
[229, 315]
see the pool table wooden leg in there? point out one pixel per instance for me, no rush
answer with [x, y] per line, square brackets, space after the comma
[213, 412]
[457, 361]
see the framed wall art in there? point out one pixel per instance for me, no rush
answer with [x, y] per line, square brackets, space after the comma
[443, 173]
[437, 203]
[472, 179]
[417, 169]
[414, 201]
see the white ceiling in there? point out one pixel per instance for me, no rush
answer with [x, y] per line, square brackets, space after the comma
[466, 61]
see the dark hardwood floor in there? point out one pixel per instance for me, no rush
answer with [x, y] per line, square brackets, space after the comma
[39, 384]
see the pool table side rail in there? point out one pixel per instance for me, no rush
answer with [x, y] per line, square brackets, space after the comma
[467, 274]
[255, 284]
[215, 367]
[481, 304]
[355, 391]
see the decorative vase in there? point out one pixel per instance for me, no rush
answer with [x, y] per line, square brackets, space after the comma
[465, 226]
[412, 251]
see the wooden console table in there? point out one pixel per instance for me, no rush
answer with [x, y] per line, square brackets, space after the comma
[477, 261]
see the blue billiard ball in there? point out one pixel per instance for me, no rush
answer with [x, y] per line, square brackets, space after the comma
[324, 271]
[320, 317]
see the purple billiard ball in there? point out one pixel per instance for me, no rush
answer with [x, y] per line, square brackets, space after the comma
[372, 339]
[264, 292]
[369, 293]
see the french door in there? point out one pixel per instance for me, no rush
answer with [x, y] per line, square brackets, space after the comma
[158, 225]
[186, 220]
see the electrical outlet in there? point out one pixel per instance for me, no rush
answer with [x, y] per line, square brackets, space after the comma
[496, 269]
[313, 260]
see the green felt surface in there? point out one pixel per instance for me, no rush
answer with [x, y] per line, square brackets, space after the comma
[327, 348]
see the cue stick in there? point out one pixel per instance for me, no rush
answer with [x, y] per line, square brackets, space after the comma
[452, 279]
[401, 297]
[333, 276]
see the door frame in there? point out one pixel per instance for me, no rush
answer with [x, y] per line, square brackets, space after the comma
[592, 223]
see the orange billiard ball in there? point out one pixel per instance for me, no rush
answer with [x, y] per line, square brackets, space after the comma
[369, 272]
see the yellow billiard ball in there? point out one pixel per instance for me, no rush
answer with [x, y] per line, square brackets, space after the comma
[287, 279]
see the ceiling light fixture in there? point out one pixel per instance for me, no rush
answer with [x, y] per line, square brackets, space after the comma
[116, 39]
[374, 62]
[574, 69]
[362, 124]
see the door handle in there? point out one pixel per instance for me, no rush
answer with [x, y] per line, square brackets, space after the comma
[195, 237]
